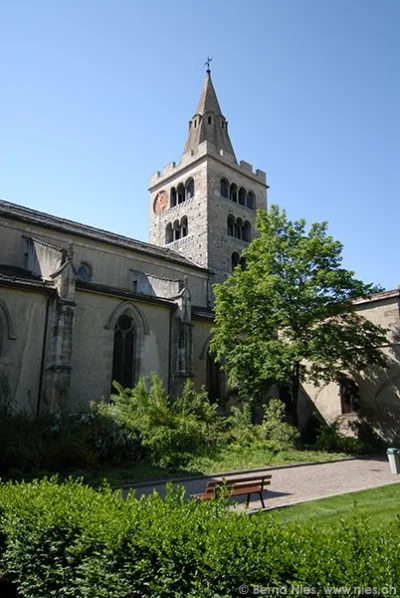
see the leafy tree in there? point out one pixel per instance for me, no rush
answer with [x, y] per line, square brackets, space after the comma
[288, 315]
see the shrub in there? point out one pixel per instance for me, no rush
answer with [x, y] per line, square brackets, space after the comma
[330, 440]
[275, 428]
[171, 429]
[68, 540]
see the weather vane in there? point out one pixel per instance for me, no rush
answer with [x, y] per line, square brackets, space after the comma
[207, 64]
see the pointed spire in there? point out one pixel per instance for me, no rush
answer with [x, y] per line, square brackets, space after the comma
[208, 101]
[208, 122]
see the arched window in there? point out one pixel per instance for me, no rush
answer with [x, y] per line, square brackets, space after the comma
[177, 230]
[224, 188]
[349, 395]
[189, 188]
[184, 226]
[251, 200]
[247, 232]
[169, 237]
[123, 370]
[172, 201]
[239, 229]
[235, 259]
[242, 196]
[233, 192]
[213, 379]
[231, 226]
[180, 193]
[209, 120]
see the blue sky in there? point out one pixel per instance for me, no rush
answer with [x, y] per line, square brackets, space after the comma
[96, 96]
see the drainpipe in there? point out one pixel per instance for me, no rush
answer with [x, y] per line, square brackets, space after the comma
[46, 324]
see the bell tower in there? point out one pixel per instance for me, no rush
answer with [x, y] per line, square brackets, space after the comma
[204, 207]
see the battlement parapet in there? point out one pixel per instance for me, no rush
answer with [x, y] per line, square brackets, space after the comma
[205, 148]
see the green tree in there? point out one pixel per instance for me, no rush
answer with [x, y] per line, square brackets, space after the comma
[289, 316]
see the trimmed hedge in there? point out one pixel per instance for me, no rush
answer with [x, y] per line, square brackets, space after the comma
[69, 540]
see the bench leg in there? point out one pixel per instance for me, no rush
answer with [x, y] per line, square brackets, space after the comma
[248, 500]
[262, 500]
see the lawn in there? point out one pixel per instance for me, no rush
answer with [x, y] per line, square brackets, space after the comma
[197, 465]
[378, 506]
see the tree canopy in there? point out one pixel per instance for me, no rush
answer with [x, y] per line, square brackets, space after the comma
[287, 313]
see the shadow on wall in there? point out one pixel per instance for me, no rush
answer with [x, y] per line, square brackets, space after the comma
[379, 399]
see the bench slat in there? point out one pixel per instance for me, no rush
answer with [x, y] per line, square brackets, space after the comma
[237, 487]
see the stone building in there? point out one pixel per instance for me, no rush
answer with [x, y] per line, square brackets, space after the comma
[80, 307]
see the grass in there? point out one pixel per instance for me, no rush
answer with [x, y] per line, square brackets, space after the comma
[225, 460]
[378, 506]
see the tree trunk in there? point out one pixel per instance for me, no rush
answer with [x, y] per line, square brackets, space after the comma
[295, 393]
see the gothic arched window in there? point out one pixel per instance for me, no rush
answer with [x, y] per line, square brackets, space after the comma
[242, 196]
[214, 379]
[123, 370]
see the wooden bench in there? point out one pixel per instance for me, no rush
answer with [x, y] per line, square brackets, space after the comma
[237, 487]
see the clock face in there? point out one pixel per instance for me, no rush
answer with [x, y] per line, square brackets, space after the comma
[160, 202]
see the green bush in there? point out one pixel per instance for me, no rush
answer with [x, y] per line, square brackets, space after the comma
[59, 540]
[171, 429]
[330, 440]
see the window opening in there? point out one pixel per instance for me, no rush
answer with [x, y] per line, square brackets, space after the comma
[224, 188]
[123, 356]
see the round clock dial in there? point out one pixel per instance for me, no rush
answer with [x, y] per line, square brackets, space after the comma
[160, 202]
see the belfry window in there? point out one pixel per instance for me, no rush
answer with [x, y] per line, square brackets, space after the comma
[233, 192]
[184, 226]
[180, 193]
[124, 352]
[247, 231]
[231, 226]
[169, 235]
[251, 200]
[224, 188]
[172, 201]
[177, 230]
[235, 259]
[189, 188]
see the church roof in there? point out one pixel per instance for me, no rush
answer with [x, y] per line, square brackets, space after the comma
[21, 213]
[208, 122]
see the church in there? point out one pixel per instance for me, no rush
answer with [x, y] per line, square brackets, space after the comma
[81, 307]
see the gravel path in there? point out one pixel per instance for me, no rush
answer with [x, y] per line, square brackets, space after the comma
[304, 482]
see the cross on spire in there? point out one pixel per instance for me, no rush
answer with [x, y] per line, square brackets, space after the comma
[207, 64]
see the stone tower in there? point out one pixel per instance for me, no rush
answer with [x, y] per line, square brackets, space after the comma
[205, 206]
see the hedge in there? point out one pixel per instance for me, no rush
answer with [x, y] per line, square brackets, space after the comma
[66, 539]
